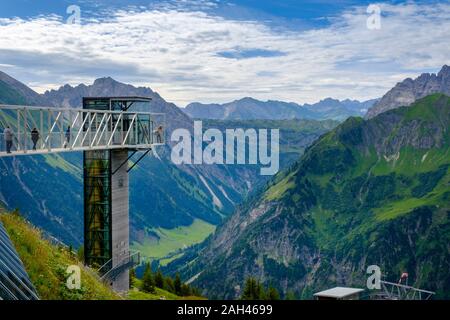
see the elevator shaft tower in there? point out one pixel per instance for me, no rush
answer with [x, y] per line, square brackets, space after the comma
[106, 185]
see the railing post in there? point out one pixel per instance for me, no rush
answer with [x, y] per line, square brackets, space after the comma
[121, 131]
[136, 130]
[61, 128]
[49, 140]
[88, 133]
[25, 123]
[41, 127]
[71, 128]
[18, 129]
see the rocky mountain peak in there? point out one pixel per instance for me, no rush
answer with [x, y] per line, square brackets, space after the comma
[444, 74]
[445, 70]
[247, 100]
[409, 90]
[104, 80]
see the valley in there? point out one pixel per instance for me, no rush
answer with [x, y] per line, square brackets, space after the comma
[235, 151]
[344, 191]
[164, 196]
[372, 192]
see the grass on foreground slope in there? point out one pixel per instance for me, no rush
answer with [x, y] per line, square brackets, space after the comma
[46, 264]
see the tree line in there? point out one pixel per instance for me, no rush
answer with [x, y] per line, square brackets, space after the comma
[152, 280]
[254, 290]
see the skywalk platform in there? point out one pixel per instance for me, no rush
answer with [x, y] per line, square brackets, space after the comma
[68, 129]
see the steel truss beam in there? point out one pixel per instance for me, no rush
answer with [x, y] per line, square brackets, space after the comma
[89, 129]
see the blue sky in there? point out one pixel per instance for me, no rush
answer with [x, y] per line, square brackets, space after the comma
[288, 9]
[312, 13]
[217, 51]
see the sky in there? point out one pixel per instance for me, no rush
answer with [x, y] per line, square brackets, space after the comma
[216, 51]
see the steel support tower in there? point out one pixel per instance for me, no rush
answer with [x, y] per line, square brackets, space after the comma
[106, 192]
[106, 129]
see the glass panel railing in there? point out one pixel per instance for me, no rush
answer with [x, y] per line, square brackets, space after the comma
[53, 130]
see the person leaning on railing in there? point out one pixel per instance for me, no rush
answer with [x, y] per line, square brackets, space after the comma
[8, 139]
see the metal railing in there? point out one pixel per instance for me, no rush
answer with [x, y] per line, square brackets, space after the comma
[108, 272]
[37, 130]
[397, 291]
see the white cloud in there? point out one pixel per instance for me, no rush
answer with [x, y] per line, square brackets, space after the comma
[176, 53]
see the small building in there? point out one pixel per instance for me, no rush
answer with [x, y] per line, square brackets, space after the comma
[339, 293]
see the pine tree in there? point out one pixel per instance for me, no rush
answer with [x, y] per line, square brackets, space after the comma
[159, 279]
[185, 290]
[272, 294]
[132, 277]
[290, 296]
[196, 292]
[253, 290]
[80, 253]
[177, 285]
[168, 285]
[148, 284]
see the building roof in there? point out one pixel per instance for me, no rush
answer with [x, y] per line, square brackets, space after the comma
[338, 292]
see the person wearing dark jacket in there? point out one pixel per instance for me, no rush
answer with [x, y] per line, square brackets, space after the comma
[8, 135]
[34, 137]
[159, 134]
[67, 142]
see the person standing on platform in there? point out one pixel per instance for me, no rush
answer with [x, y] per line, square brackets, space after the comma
[34, 137]
[66, 143]
[8, 139]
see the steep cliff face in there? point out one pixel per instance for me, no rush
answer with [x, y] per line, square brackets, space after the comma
[369, 192]
[409, 90]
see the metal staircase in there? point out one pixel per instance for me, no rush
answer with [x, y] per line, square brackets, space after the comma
[109, 273]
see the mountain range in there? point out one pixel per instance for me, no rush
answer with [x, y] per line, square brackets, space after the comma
[408, 91]
[370, 192]
[163, 195]
[251, 109]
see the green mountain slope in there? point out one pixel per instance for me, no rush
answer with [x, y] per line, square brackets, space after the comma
[8, 95]
[368, 192]
[151, 203]
[46, 264]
